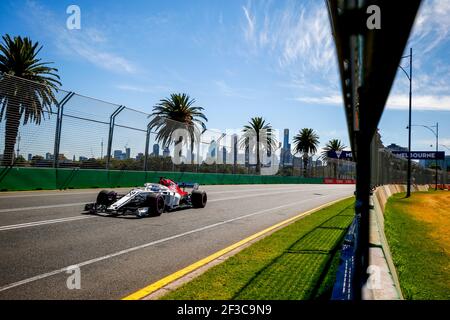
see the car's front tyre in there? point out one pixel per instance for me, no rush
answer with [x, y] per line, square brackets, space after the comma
[155, 203]
[199, 199]
[106, 198]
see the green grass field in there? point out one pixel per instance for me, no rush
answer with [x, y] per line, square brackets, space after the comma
[296, 262]
[418, 232]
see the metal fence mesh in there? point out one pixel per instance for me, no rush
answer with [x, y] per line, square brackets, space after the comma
[89, 133]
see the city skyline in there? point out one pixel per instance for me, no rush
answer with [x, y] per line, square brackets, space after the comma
[260, 68]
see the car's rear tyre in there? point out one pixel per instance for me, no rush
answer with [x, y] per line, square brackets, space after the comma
[106, 198]
[155, 203]
[199, 199]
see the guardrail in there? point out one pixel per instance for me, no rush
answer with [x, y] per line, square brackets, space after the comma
[21, 179]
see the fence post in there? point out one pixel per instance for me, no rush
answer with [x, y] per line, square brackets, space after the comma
[59, 117]
[147, 143]
[112, 119]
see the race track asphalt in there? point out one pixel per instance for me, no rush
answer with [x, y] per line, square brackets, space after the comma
[44, 232]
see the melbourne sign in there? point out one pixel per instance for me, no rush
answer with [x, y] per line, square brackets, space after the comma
[346, 155]
[421, 155]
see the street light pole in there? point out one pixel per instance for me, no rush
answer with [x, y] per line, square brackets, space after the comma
[437, 149]
[436, 134]
[408, 182]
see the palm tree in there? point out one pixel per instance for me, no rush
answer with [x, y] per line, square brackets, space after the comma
[177, 112]
[306, 142]
[259, 129]
[20, 98]
[333, 145]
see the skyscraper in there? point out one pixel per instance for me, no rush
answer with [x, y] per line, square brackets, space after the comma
[224, 155]
[286, 156]
[234, 138]
[118, 154]
[286, 144]
[212, 149]
[155, 150]
[127, 153]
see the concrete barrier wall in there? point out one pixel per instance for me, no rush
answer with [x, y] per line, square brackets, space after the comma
[17, 179]
[384, 283]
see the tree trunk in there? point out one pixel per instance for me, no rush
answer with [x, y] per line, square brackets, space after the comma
[305, 164]
[192, 153]
[258, 160]
[11, 130]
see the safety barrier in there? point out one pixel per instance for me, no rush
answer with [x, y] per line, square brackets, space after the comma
[17, 179]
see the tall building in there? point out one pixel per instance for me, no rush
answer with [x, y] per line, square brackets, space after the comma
[48, 156]
[30, 156]
[140, 156]
[119, 155]
[234, 139]
[166, 152]
[212, 149]
[224, 155]
[286, 155]
[155, 152]
[395, 147]
[286, 139]
[127, 153]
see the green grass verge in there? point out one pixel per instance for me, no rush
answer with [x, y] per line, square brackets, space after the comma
[270, 269]
[423, 267]
[292, 276]
[319, 239]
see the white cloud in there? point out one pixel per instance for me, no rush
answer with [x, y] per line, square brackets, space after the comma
[143, 89]
[297, 38]
[432, 26]
[432, 141]
[81, 45]
[250, 28]
[88, 43]
[395, 102]
[229, 91]
[419, 102]
[298, 35]
[328, 100]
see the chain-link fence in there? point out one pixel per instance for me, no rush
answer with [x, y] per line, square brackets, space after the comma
[388, 168]
[69, 130]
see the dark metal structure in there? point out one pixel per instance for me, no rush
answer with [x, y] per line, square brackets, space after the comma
[112, 120]
[59, 118]
[368, 61]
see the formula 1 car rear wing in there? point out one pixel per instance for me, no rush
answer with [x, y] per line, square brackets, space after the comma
[192, 185]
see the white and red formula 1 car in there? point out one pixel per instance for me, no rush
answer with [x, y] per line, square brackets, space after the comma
[151, 200]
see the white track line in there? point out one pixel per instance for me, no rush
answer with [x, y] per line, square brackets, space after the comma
[44, 222]
[213, 200]
[43, 207]
[262, 194]
[62, 193]
[122, 252]
[75, 218]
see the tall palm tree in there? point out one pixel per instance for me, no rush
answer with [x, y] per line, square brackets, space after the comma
[333, 145]
[20, 98]
[177, 112]
[265, 138]
[306, 142]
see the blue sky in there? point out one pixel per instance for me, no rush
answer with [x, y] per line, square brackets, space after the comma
[239, 59]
